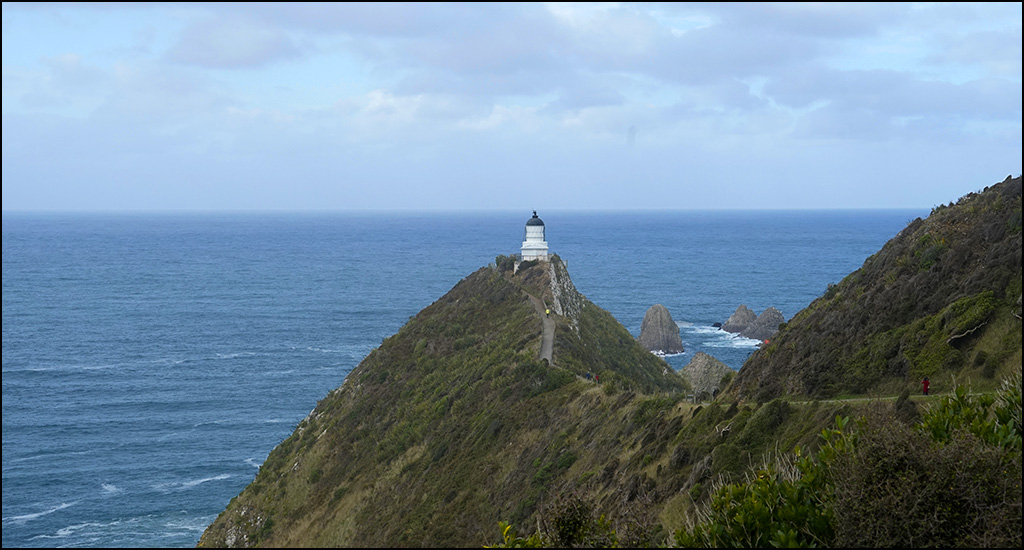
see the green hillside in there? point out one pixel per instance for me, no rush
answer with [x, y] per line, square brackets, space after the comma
[942, 300]
[453, 423]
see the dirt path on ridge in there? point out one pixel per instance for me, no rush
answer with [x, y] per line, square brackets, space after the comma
[547, 341]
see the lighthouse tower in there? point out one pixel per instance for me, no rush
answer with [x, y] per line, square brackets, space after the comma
[534, 245]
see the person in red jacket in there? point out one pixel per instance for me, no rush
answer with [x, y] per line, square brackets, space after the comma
[924, 385]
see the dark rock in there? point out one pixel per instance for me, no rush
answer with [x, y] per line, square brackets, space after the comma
[659, 332]
[765, 326]
[740, 320]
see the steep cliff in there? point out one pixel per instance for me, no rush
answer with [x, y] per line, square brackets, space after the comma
[659, 332]
[940, 299]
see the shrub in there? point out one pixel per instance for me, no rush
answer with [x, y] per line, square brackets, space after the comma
[953, 480]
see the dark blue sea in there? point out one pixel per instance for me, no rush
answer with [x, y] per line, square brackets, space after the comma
[152, 361]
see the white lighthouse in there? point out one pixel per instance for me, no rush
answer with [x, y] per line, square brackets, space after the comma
[534, 245]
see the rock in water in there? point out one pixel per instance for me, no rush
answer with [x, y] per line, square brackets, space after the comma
[659, 332]
[705, 374]
[740, 320]
[765, 326]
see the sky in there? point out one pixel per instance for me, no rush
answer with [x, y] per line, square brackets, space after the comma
[324, 107]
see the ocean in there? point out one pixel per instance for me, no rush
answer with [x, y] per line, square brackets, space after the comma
[152, 361]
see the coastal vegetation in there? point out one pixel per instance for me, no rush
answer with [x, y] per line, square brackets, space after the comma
[455, 433]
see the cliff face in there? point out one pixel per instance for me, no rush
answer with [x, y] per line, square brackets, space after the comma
[940, 299]
[453, 424]
[659, 332]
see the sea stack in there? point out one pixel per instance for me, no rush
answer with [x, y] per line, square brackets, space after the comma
[659, 333]
[765, 326]
[739, 320]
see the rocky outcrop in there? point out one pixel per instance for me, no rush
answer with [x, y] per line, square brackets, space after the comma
[705, 374]
[748, 324]
[765, 326]
[565, 299]
[659, 332]
[739, 320]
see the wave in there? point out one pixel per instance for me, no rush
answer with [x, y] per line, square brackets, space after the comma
[195, 482]
[715, 337]
[110, 488]
[235, 355]
[195, 525]
[28, 517]
[252, 462]
[48, 455]
[174, 486]
[72, 529]
[325, 350]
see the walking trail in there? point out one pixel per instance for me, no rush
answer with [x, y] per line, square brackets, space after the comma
[547, 341]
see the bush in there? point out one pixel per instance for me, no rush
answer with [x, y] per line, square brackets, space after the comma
[952, 480]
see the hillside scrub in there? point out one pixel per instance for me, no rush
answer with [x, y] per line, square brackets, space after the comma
[940, 299]
[954, 479]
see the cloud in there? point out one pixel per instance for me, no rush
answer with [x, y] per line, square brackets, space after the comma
[457, 105]
[997, 50]
[232, 43]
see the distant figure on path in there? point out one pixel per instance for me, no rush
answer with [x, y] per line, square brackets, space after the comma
[924, 385]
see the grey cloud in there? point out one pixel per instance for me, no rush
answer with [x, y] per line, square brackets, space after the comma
[999, 51]
[893, 93]
[821, 20]
[232, 42]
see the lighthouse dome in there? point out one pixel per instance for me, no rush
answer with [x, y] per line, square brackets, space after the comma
[534, 220]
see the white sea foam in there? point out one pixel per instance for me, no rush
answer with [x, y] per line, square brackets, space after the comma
[707, 329]
[195, 482]
[252, 462]
[110, 488]
[714, 337]
[28, 517]
[48, 455]
[194, 525]
[737, 342]
[72, 529]
[236, 355]
[175, 486]
[325, 350]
